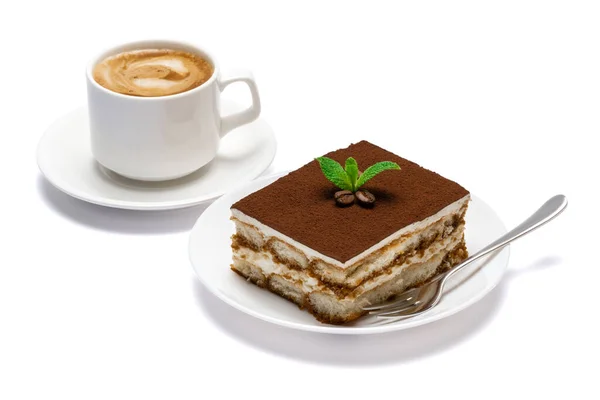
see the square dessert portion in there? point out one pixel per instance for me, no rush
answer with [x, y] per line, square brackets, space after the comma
[295, 240]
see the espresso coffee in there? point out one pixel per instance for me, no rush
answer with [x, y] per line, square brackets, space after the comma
[152, 72]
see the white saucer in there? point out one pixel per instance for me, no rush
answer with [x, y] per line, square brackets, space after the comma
[210, 255]
[65, 159]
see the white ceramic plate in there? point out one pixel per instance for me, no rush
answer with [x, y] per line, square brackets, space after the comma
[65, 159]
[210, 255]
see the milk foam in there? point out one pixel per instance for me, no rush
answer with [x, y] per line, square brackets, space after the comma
[153, 83]
[173, 63]
[152, 72]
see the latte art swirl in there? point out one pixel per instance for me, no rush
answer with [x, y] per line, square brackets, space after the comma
[152, 72]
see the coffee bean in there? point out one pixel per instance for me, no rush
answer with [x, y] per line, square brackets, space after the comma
[344, 198]
[365, 197]
[341, 193]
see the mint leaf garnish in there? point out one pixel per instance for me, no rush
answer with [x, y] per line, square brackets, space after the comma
[348, 179]
[352, 171]
[374, 170]
[335, 173]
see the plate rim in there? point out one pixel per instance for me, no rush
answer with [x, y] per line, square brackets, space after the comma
[68, 189]
[340, 329]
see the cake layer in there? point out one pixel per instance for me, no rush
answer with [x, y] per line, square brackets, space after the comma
[403, 245]
[326, 305]
[270, 264]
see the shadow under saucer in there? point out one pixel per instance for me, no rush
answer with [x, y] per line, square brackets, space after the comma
[117, 220]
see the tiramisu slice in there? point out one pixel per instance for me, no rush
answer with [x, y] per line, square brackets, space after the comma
[333, 252]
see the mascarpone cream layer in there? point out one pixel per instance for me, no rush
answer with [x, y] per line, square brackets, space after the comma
[311, 253]
[268, 265]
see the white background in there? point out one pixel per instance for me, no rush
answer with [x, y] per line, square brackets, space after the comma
[503, 97]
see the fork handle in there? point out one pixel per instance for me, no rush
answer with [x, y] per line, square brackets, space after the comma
[548, 211]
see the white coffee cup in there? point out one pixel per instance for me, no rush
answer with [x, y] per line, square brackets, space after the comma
[166, 137]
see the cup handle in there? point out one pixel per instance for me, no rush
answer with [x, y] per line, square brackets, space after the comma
[230, 122]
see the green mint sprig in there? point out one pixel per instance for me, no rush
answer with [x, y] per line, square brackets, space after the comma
[348, 178]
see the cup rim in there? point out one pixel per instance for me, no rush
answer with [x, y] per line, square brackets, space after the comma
[145, 44]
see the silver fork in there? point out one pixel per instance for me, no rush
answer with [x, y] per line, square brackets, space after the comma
[421, 299]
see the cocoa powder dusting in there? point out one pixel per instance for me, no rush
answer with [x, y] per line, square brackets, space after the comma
[300, 205]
